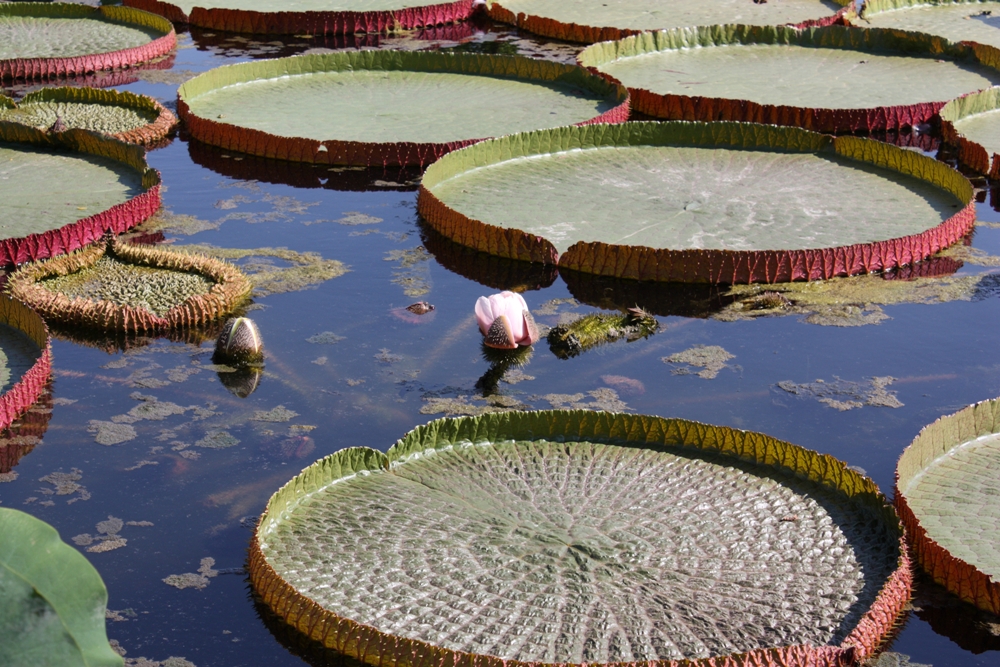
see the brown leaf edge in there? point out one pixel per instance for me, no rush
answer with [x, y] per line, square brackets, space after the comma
[708, 266]
[46, 68]
[18, 439]
[961, 578]
[230, 290]
[383, 650]
[149, 133]
[587, 34]
[297, 149]
[311, 22]
[26, 391]
[971, 155]
[118, 219]
[866, 40]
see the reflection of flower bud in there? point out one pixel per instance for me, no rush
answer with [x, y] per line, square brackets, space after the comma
[243, 381]
[239, 344]
[505, 321]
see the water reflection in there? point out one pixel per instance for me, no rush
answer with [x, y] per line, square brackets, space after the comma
[973, 629]
[18, 439]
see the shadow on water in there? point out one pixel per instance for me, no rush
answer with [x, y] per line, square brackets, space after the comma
[296, 643]
[973, 629]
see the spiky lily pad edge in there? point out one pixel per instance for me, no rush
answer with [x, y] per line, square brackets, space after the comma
[297, 149]
[586, 34]
[369, 645]
[971, 154]
[311, 22]
[231, 289]
[46, 68]
[711, 266]
[145, 135]
[28, 389]
[118, 219]
[686, 107]
[961, 578]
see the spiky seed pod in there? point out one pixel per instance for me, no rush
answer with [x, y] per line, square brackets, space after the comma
[500, 335]
[239, 344]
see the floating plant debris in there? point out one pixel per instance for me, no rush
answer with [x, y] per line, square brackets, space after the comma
[198, 580]
[439, 102]
[435, 486]
[692, 187]
[710, 358]
[571, 339]
[845, 395]
[306, 270]
[955, 20]
[946, 491]
[41, 40]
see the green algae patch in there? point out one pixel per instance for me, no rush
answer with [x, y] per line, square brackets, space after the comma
[302, 270]
[709, 358]
[955, 20]
[571, 339]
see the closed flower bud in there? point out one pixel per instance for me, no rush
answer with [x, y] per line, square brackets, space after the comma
[239, 344]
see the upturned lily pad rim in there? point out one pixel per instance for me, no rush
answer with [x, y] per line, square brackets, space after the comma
[588, 34]
[362, 641]
[871, 7]
[334, 151]
[118, 219]
[711, 266]
[865, 40]
[311, 22]
[15, 401]
[230, 290]
[971, 154]
[45, 68]
[935, 440]
[150, 133]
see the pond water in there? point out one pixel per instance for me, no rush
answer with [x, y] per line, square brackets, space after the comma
[187, 466]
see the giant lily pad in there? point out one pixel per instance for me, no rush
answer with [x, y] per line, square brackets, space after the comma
[698, 202]
[972, 124]
[126, 116]
[388, 107]
[832, 79]
[309, 17]
[54, 600]
[595, 21]
[956, 20]
[947, 483]
[61, 191]
[130, 289]
[580, 537]
[43, 40]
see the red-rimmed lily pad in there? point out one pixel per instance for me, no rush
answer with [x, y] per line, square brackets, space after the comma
[956, 20]
[40, 40]
[573, 537]
[947, 483]
[309, 17]
[698, 202]
[123, 115]
[972, 124]
[830, 79]
[388, 107]
[61, 191]
[25, 359]
[592, 21]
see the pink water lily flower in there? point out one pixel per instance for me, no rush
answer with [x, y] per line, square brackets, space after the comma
[505, 321]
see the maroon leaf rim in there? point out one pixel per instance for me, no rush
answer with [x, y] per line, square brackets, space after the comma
[27, 390]
[311, 23]
[48, 68]
[971, 154]
[25, 432]
[368, 154]
[117, 219]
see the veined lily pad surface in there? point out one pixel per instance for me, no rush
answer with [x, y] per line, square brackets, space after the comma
[972, 123]
[60, 191]
[41, 40]
[383, 107]
[594, 21]
[947, 483]
[833, 78]
[694, 202]
[956, 20]
[581, 537]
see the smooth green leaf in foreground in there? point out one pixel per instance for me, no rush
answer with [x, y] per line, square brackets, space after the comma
[54, 601]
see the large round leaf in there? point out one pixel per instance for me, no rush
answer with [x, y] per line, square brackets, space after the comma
[956, 20]
[53, 599]
[311, 17]
[42, 40]
[947, 483]
[60, 191]
[833, 79]
[695, 202]
[594, 21]
[570, 537]
[390, 107]
[972, 123]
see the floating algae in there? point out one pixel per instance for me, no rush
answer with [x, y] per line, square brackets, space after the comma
[845, 395]
[569, 340]
[710, 358]
[307, 269]
[199, 579]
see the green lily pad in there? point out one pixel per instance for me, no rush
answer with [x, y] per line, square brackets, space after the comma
[570, 537]
[42, 32]
[972, 123]
[956, 20]
[54, 600]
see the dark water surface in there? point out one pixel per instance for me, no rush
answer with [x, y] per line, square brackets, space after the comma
[378, 375]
